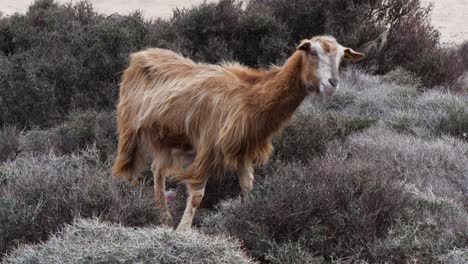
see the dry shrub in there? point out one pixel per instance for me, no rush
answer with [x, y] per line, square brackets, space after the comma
[334, 208]
[403, 77]
[290, 252]
[381, 196]
[428, 114]
[444, 66]
[93, 241]
[105, 134]
[438, 166]
[439, 113]
[38, 195]
[455, 256]
[9, 143]
[312, 129]
[464, 53]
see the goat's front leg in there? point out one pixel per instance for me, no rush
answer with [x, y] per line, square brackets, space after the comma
[246, 178]
[196, 192]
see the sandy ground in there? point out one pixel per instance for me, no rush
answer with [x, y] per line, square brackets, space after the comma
[449, 16]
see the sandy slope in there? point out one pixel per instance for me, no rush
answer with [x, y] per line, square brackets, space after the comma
[450, 16]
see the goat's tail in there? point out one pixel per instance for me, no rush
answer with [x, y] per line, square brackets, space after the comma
[130, 158]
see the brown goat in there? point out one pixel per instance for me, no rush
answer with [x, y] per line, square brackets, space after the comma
[226, 115]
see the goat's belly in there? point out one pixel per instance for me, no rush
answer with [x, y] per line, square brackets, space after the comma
[179, 142]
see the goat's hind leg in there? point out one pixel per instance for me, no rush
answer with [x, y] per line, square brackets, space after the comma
[246, 178]
[160, 167]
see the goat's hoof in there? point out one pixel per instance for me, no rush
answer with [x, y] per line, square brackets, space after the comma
[182, 227]
[166, 217]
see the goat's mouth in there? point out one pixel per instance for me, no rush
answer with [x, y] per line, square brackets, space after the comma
[327, 89]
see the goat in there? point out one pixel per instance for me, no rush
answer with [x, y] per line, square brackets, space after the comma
[225, 115]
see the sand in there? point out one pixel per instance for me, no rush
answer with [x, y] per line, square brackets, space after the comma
[449, 16]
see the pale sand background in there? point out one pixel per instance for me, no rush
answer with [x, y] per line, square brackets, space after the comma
[449, 16]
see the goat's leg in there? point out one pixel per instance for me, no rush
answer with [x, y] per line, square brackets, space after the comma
[196, 192]
[159, 167]
[246, 178]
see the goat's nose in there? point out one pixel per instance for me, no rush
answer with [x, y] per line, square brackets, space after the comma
[333, 81]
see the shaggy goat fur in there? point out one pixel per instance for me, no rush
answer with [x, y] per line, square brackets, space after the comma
[171, 107]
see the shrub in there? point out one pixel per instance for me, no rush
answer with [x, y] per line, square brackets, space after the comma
[289, 252]
[36, 142]
[436, 166]
[45, 192]
[79, 130]
[76, 133]
[403, 77]
[312, 130]
[222, 31]
[400, 106]
[464, 53]
[329, 205]
[105, 134]
[9, 143]
[96, 242]
[442, 113]
[388, 196]
[392, 33]
[444, 66]
[85, 52]
[455, 256]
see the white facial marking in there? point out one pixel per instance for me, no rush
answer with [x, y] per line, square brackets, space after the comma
[328, 66]
[323, 63]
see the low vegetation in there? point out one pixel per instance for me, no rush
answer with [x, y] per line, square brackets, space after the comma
[39, 194]
[92, 241]
[376, 173]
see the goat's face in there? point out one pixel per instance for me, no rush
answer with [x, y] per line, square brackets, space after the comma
[321, 60]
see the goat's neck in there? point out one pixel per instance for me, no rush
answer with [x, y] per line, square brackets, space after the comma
[278, 97]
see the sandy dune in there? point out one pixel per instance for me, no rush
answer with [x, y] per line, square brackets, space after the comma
[450, 16]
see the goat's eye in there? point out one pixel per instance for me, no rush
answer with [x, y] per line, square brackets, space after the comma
[313, 52]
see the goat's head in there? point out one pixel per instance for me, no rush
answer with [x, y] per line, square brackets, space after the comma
[321, 60]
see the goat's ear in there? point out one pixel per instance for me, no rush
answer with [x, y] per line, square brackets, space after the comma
[304, 45]
[352, 55]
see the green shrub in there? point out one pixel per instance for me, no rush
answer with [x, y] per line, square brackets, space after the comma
[92, 241]
[43, 193]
